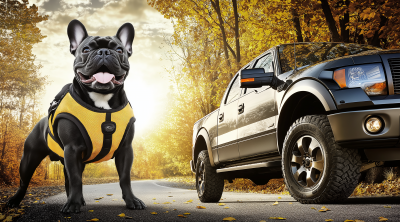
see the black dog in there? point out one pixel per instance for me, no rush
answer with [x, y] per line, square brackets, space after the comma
[90, 120]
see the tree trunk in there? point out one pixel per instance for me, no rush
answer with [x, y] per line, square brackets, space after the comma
[235, 13]
[346, 18]
[375, 41]
[221, 26]
[296, 22]
[335, 37]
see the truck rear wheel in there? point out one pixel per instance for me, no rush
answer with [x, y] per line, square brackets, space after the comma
[315, 168]
[209, 184]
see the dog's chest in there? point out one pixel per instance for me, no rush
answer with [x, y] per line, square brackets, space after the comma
[101, 100]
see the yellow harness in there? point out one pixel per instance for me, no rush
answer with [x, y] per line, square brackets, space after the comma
[102, 130]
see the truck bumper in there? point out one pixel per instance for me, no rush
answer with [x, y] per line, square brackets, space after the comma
[350, 132]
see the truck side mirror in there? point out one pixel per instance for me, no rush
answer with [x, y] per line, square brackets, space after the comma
[255, 78]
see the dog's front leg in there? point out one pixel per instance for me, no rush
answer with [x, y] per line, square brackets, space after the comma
[123, 162]
[73, 166]
[73, 143]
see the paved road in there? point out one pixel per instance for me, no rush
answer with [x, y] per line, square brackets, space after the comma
[242, 206]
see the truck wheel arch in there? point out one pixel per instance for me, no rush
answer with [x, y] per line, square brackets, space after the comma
[202, 143]
[290, 109]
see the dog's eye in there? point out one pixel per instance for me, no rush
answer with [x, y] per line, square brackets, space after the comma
[86, 50]
[119, 50]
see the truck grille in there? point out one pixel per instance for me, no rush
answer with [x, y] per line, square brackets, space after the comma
[395, 68]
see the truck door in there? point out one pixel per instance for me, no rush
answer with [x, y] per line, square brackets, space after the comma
[227, 130]
[256, 119]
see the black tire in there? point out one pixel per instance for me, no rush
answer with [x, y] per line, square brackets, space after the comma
[325, 172]
[209, 184]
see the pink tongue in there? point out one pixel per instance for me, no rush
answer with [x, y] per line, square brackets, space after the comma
[103, 77]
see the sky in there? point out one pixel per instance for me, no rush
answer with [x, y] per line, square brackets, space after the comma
[147, 84]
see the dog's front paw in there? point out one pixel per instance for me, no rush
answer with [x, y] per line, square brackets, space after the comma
[72, 206]
[135, 203]
[83, 202]
[14, 201]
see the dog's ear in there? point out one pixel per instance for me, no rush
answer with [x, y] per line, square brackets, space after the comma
[126, 33]
[76, 34]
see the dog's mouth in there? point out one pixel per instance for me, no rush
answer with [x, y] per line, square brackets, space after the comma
[102, 76]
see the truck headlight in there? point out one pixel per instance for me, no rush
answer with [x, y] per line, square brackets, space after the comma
[370, 78]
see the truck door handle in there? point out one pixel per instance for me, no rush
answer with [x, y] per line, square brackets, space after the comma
[221, 117]
[241, 108]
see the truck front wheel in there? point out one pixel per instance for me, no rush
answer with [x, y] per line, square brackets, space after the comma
[315, 168]
[209, 184]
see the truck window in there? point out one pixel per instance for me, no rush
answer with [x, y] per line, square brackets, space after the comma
[265, 62]
[234, 92]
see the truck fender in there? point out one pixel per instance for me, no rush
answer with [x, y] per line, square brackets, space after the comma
[196, 150]
[314, 87]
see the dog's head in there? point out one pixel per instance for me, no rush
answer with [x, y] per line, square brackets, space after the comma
[101, 63]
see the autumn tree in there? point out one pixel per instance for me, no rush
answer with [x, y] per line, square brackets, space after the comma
[21, 83]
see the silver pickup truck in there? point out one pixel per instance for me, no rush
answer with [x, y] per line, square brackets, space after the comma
[316, 114]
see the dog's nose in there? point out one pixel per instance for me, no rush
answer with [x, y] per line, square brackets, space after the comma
[103, 52]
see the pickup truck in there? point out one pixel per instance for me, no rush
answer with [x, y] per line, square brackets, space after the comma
[317, 114]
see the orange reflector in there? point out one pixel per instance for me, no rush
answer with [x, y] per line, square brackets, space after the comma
[247, 80]
[340, 77]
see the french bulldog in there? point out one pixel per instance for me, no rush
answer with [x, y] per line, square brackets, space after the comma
[101, 67]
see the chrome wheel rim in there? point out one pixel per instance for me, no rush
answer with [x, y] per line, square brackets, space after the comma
[307, 161]
[200, 178]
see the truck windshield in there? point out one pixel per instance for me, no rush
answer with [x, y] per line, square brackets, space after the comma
[311, 53]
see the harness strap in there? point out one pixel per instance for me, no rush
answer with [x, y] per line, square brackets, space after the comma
[108, 128]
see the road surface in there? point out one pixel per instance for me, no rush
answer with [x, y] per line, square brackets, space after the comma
[168, 203]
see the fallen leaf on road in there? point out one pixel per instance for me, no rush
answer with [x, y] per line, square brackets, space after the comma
[121, 215]
[186, 213]
[153, 212]
[387, 206]
[329, 220]
[174, 209]
[90, 210]
[128, 217]
[200, 207]
[170, 196]
[358, 221]
[110, 194]
[180, 215]
[9, 218]
[94, 219]
[173, 200]
[167, 203]
[263, 221]
[279, 197]
[155, 203]
[2, 216]
[35, 201]
[226, 207]
[276, 203]
[99, 198]
[154, 198]
[324, 209]
[383, 219]
[221, 204]
[349, 221]
[114, 199]
[190, 201]
[229, 218]
[97, 201]
[277, 218]
[166, 211]
[43, 202]
[313, 208]
[290, 203]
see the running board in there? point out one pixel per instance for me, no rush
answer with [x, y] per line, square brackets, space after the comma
[250, 166]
